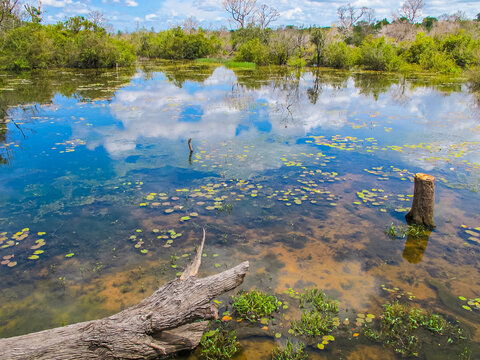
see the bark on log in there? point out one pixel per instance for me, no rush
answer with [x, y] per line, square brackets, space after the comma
[158, 326]
[423, 203]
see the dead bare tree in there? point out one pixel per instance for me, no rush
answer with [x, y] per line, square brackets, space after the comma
[349, 16]
[240, 10]
[97, 18]
[265, 15]
[412, 10]
[7, 9]
[190, 25]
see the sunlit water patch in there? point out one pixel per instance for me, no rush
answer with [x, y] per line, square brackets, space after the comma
[300, 173]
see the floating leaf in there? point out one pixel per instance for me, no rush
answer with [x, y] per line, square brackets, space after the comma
[462, 298]
[466, 307]
[321, 346]
[278, 335]
[69, 255]
[38, 252]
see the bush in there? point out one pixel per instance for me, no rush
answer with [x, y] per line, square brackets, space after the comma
[422, 45]
[174, 44]
[439, 62]
[338, 55]
[461, 47]
[253, 51]
[75, 43]
[377, 54]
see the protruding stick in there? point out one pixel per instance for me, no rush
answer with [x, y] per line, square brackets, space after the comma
[423, 203]
[190, 145]
[192, 268]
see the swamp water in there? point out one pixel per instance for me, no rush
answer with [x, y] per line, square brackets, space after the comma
[301, 173]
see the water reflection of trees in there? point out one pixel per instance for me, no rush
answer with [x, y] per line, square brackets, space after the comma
[179, 73]
[27, 91]
[374, 84]
[335, 79]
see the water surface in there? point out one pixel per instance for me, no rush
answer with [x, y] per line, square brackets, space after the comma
[299, 172]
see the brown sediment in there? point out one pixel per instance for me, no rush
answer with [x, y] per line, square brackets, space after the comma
[365, 352]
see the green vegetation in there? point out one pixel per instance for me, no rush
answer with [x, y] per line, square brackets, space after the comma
[318, 315]
[402, 231]
[406, 329]
[75, 43]
[219, 344]
[446, 46]
[254, 305]
[290, 352]
[174, 44]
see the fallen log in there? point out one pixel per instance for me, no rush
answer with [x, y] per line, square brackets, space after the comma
[172, 319]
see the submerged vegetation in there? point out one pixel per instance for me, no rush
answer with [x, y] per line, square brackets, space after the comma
[402, 231]
[219, 344]
[318, 314]
[254, 305]
[406, 329]
[290, 352]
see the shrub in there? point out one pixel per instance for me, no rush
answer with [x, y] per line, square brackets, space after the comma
[253, 51]
[377, 54]
[423, 45]
[337, 55]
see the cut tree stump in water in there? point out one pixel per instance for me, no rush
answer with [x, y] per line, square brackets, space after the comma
[423, 203]
[170, 320]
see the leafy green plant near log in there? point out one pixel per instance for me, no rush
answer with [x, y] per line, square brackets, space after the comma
[290, 352]
[219, 344]
[254, 305]
[318, 315]
[406, 329]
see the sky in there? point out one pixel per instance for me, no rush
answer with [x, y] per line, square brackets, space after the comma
[163, 14]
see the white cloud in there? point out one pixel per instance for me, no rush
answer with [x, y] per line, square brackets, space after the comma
[57, 3]
[150, 17]
[131, 3]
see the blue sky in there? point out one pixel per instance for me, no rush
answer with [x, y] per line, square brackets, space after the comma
[162, 14]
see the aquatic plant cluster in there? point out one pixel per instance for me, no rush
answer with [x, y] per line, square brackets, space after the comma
[402, 326]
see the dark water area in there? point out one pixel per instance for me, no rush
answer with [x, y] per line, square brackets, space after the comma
[301, 173]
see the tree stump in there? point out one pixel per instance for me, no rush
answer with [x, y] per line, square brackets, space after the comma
[168, 321]
[423, 203]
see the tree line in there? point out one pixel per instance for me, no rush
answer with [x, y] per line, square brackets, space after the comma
[447, 44]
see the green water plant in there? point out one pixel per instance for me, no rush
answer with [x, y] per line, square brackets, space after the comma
[290, 352]
[406, 328]
[254, 305]
[401, 231]
[318, 314]
[219, 344]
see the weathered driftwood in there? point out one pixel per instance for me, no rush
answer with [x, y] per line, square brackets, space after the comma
[423, 203]
[160, 325]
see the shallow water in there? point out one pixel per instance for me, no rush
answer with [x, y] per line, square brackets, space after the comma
[299, 172]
